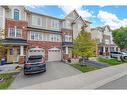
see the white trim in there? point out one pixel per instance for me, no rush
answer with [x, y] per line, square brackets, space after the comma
[15, 29]
[54, 49]
[13, 12]
[3, 25]
[21, 50]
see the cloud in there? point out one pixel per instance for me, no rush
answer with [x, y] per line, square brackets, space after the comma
[111, 19]
[36, 6]
[84, 13]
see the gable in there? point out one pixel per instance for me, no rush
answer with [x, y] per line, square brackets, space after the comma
[72, 15]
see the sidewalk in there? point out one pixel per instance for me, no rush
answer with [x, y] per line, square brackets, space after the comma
[8, 67]
[90, 80]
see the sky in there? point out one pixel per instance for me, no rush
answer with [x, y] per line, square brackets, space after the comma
[114, 16]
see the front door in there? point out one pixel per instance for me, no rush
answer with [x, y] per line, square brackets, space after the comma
[13, 54]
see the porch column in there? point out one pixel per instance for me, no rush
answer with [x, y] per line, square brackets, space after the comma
[103, 49]
[66, 50]
[115, 48]
[21, 50]
[109, 49]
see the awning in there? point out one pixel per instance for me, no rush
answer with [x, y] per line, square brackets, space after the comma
[11, 41]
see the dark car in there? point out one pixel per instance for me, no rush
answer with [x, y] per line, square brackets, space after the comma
[35, 64]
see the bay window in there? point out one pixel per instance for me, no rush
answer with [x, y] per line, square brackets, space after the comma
[15, 32]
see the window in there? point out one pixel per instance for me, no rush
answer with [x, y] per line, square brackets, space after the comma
[12, 32]
[11, 51]
[15, 33]
[36, 36]
[36, 20]
[18, 33]
[16, 14]
[68, 38]
[54, 24]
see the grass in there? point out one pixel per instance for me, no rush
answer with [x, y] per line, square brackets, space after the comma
[7, 79]
[83, 68]
[109, 61]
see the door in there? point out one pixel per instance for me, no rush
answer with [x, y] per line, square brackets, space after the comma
[54, 54]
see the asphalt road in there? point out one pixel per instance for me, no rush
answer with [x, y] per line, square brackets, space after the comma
[120, 83]
[55, 70]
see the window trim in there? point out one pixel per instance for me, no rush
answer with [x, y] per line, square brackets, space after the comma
[15, 32]
[34, 20]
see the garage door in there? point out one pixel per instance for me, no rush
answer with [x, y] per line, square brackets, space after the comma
[36, 51]
[54, 54]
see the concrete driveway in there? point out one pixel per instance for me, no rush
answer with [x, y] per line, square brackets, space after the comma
[55, 70]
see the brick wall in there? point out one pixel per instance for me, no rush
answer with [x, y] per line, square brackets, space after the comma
[19, 24]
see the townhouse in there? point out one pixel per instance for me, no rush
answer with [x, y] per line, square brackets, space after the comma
[26, 29]
[104, 39]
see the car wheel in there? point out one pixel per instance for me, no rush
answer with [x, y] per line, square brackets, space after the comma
[125, 58]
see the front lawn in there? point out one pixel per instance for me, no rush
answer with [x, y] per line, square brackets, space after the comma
[109, 61]
[84, 68]
[6, 79]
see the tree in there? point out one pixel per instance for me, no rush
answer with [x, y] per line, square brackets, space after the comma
[84, 46]
[2, 47]
[120, 37]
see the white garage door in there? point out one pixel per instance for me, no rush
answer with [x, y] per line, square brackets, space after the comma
[54, 54]
[36, 51]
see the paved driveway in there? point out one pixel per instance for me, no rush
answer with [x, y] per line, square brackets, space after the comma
[96, 64]
[55, 70]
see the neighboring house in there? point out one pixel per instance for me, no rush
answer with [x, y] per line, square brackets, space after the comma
[103, 37]
[26, 29]
[71, 27]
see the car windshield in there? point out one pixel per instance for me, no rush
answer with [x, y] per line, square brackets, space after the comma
[34, 59]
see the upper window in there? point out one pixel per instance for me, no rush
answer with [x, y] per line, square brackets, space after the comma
[55, 24]
[15, 32]
[16, 14]
[36, 20]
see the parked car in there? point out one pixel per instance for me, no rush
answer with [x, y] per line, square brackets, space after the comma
[124, 56]
[115, 54]
[121, 55]
[35, 64]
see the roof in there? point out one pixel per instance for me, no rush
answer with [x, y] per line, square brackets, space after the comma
[28, 11]
[101, 28]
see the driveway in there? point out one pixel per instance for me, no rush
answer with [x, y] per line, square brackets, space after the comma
[96, 64]
[55, 70]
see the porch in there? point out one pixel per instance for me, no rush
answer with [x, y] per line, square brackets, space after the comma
[15, 50]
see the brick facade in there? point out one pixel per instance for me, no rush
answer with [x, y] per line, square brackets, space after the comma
[45, 45]
[19, 24]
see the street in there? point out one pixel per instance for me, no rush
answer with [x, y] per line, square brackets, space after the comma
[120, 83]
[55, 70]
